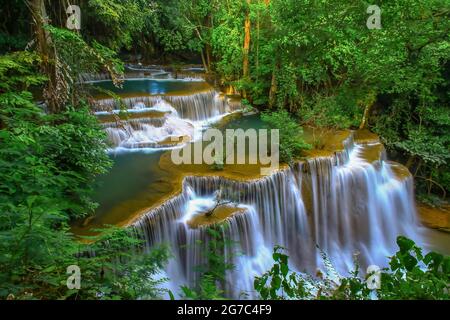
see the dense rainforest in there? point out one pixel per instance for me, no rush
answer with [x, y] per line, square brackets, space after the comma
[300, 62]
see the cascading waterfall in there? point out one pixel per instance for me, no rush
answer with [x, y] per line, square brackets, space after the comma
[147, 72]
[359, 207]
[196, 107]
[345, 204]
[182, 117]
[149, 134]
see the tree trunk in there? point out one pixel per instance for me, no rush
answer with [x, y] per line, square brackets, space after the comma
[246, 48]
[55, 91]
[208, 56]
[273, 83]
[365, 116]
[247, 37]
[273, 88]
[258, 35]
[205, 65]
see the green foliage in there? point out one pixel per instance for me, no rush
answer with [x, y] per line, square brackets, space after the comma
[329, 112]
[413, 275]
[410, 276]
[168, 28]
[227, 38]
[10, 43]
[119, 270]
[218, 166]
[18, 72]
[319, 60]
[279, 282]
[207, 289]
[63, 153]
[48, 163]
[152, 26]
[116, 22]
[78, 57]
[420, 133]
[213, 273]
[314, 59]
[14, 27]
[291, 140]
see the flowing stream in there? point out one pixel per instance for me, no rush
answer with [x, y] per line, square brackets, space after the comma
[349, 203]
[354, 207]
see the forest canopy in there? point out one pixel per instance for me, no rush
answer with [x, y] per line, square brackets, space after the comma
[317, 59]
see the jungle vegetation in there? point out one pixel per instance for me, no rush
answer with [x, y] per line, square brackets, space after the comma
[302, 62]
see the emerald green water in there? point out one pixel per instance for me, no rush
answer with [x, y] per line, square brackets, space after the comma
[130, 175]
[150, 87]
[136, 182]
[133, 172]
[248, 122]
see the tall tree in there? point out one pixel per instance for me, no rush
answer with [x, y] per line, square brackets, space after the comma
[247, 39]
[56, 90]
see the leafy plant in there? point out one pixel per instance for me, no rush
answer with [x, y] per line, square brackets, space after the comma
[410, 275]
[213, 273]
[48, 163]
[280, 283]
[290, 133]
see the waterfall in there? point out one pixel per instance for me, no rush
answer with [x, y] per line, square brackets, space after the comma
[155, 72]
[347, 203]
[196, 107]
[155, 120]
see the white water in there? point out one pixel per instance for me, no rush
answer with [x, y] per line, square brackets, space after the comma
[185, 116]
[343, 204]
[355, 207]
[148, 72]
[196, 107]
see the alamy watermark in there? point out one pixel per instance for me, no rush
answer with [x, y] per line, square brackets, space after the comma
[374, 21]
[232, 149]
[74, 279]
[73, 22]
[374, 279]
